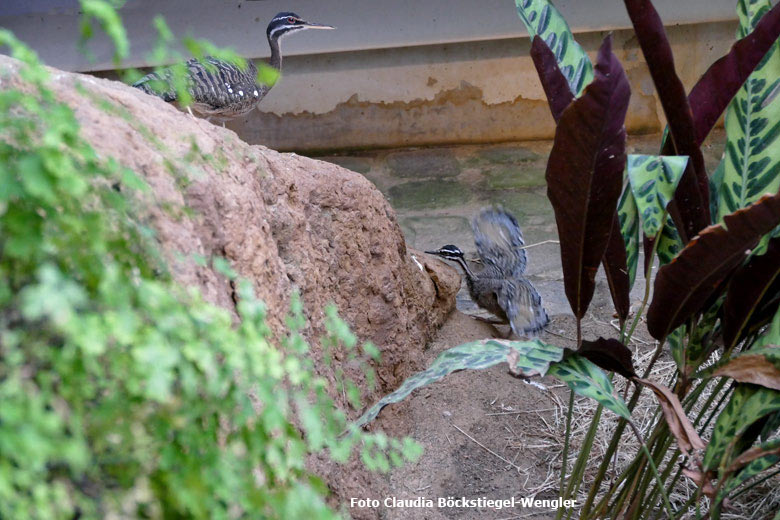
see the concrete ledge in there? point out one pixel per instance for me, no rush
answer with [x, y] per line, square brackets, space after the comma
[471, 92]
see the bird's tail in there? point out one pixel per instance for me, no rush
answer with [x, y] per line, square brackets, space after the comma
[158, 85]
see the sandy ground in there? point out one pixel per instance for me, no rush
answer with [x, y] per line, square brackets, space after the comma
[485, 433]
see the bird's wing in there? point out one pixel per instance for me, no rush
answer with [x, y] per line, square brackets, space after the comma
[523, 306]
[499, 241]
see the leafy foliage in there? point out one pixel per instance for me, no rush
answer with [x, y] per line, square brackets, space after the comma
[123, 394]
[541, 18]
[694, 189]
[752, 161]
[685, 285]
[752, 285]
[747, 405]
[628, 215]
[654, 180]
[585, 378]
[584, 172]
[759, 24]
[532, 357]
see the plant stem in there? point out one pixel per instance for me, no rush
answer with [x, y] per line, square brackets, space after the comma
[648, 280]
[665, 497]
[566, 442]
[579, 466]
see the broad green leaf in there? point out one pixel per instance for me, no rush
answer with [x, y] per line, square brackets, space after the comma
[628, 215]
[747, 405]
[772, 335]
[653, 180]
[752, 469]
[588, 380]
[532, 355]
[669, 243]
[531, 358]
[716, 184]
[677, 347]
[752, 159]
[771, 426]
[540, 17]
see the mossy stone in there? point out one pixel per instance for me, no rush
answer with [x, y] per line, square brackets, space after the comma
[508, 154]
[508, 177]
[524, 203]
[420, 164]
[428, 194]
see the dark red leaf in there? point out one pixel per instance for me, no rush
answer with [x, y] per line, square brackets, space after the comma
[616, 268]
[716, 88]
[609, 354]
[692, 193]
[585, 175]
[746, 291]
[684, 285]
[556, 88]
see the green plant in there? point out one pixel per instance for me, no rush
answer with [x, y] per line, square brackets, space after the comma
[717, 291]
[123, 394]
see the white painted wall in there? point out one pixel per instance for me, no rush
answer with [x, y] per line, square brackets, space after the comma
[51, 26]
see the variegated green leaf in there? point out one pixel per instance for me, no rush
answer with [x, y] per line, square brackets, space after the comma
[748, 404]
[771, 427]
[752, 162]
[588, 380]
[628, 216]
[540, 17]
[534, 357]
[716, 184]
[669, 243]
[653, 180]
[772, 335]
[677, 347]
[750, 470]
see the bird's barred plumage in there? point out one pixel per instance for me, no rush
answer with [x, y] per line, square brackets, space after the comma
[501, 287]
[220, 89]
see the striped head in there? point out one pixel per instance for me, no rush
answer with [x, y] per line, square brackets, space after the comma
[287, 23]
[448, 252]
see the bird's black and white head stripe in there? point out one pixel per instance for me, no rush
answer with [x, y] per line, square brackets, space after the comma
[288, 22]
[448, 252]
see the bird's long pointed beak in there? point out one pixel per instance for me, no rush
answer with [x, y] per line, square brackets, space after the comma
[432, 252]
[313, 25]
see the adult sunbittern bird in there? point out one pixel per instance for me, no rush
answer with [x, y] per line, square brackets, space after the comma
[501, 287]
[223, 90]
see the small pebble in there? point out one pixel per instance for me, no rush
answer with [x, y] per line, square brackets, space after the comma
[445, 413]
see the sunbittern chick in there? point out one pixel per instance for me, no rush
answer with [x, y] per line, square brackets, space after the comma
[501, 287]
[223, 90]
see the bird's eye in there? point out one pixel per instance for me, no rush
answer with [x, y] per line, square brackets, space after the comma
[291, 20]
